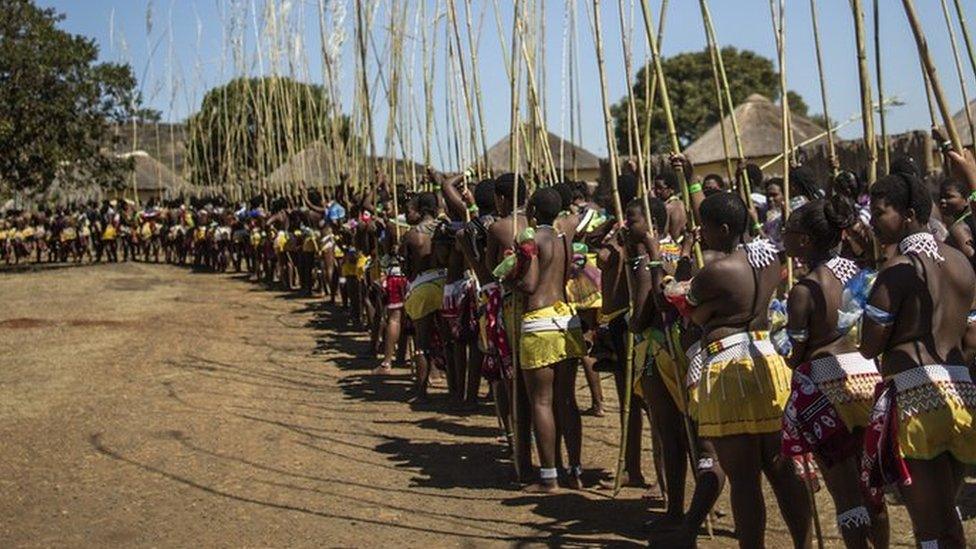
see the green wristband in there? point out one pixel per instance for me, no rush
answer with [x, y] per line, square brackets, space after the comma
[757, 226]
[694, 188]
[972, 196]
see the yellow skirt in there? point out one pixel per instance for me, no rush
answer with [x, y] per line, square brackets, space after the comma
[652, 353]
[425, 296]
[743, 389]
[936, 410]
[848, 381]
[109, 233]
[355, 270]
[550, 335]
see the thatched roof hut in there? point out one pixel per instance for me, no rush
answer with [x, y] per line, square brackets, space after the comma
[165, 142]
[153, 178]
[961, 122]
[760, 124]
[587, 164]
[315, 164]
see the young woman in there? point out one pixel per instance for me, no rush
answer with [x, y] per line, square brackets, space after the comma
[743, 383]
[954, 206]
[833, 385]
[922, 432]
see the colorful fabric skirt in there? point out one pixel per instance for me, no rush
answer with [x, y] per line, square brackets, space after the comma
[920, 414]
[550, 335]
[744, 386]
[830, 397]
[492, 338]
[453, 305]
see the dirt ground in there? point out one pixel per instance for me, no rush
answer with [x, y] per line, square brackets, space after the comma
[145, 405]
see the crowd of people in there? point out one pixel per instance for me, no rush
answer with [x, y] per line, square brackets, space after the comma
[681, 287]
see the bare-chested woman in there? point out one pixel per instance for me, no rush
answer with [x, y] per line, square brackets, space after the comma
[833, 385]
[922, 433]
[744, 383]
[501, 237]
[551, 342]
[426, 292]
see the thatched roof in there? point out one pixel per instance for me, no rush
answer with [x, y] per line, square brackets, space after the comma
[152, 175]
[760, 124]
[163, 141]
[314, 164]
[961, 123]
[499, 161]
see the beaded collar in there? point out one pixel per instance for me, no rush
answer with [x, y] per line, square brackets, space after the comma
[921, 244]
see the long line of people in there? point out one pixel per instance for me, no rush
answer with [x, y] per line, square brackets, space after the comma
[861, 370]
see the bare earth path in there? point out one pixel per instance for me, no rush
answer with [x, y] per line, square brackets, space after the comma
[145, 405]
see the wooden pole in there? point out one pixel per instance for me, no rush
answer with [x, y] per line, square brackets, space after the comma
[923, 53]
[607, 118]
[885, 153]
[867, 109]
[737, 134]
[785, 104]
[959, 71]
[831, 148]
[632, 127]
[513, 81]
[476, 82]
[362, 28]
[650, 85]
[669, 120]
[618, 210]
[465, 91]
[716, 78]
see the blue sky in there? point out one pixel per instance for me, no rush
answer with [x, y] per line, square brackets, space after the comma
[188, 50]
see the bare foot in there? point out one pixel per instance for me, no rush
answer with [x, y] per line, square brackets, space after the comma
[663, 523]
[541, 488]
[595, 411]
[437, 381]
[679, 538]
[574, 482]
[653, 493]
[382, 370]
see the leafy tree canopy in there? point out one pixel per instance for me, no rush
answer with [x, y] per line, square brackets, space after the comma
[57, 104]
[248, 127]
[691, 87]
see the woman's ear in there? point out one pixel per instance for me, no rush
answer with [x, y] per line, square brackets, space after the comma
[910, 215]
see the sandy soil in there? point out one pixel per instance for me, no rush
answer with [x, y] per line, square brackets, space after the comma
[145, 405]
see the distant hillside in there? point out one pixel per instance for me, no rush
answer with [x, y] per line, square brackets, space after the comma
[160, 141]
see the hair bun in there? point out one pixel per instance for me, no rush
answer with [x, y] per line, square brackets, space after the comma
[904, 165]
[839, 212]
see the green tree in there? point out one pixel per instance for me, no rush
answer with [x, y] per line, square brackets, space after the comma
[691, 87]
[58, 105]
[249, 126]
